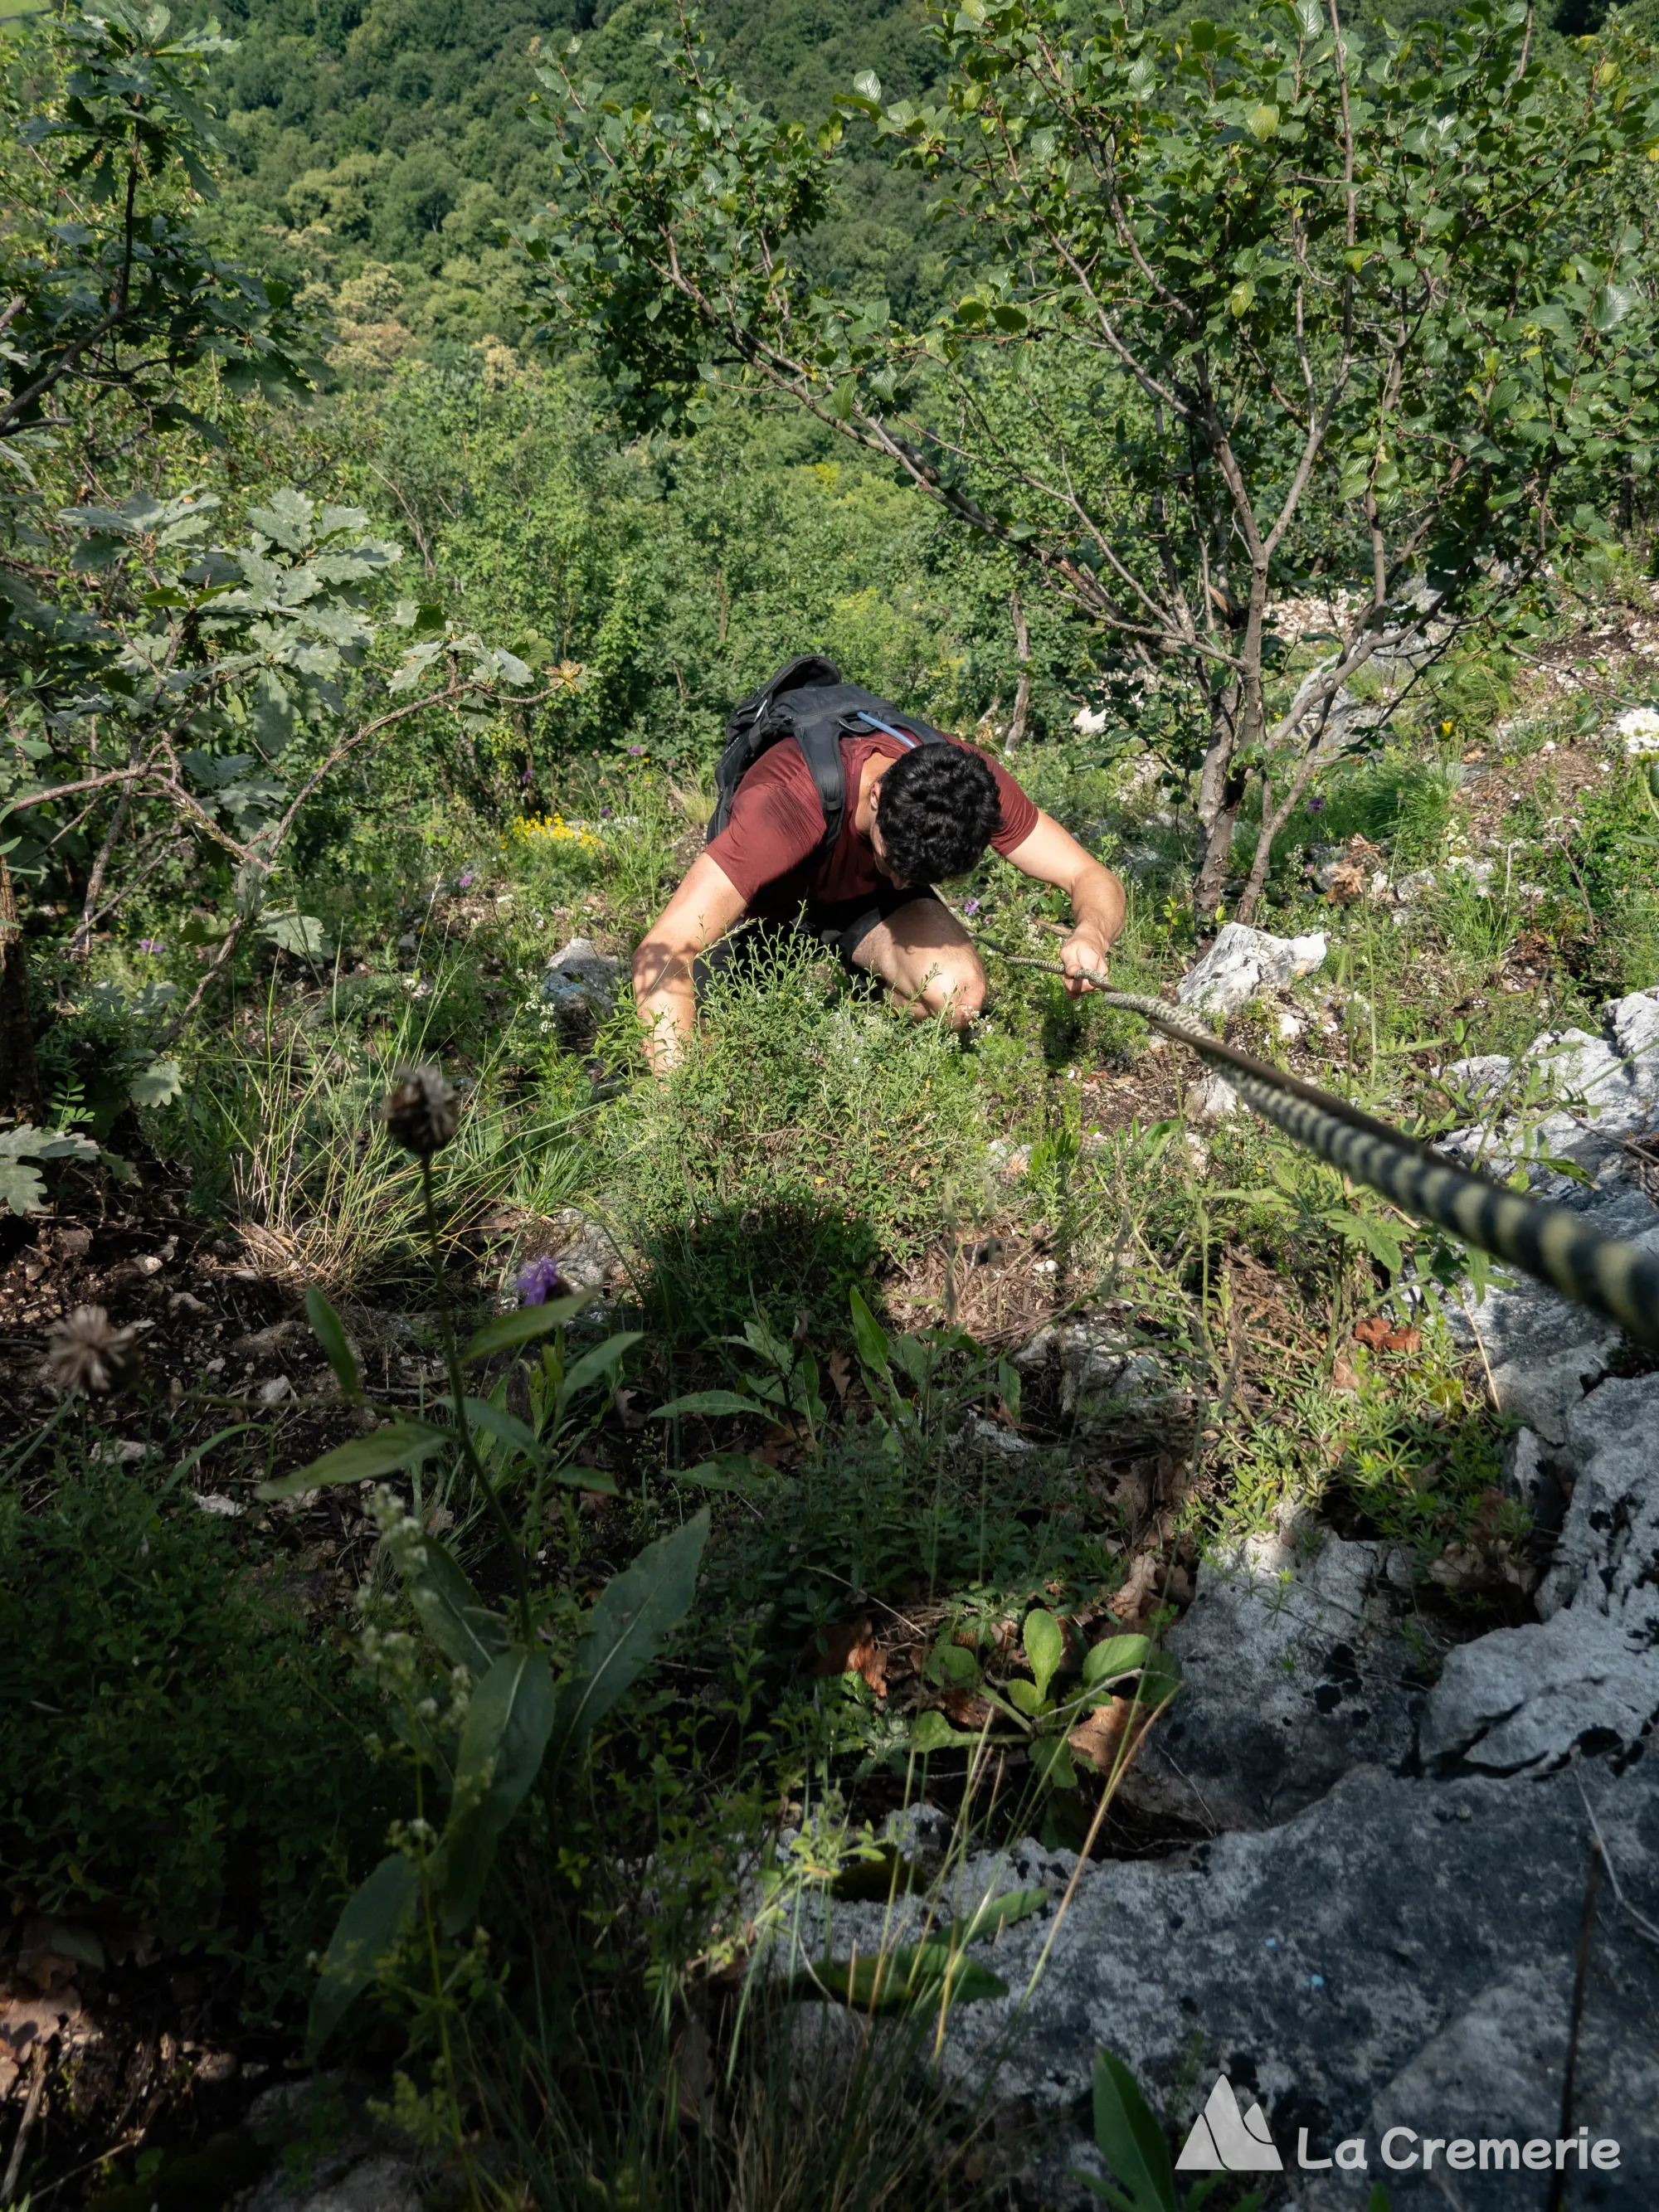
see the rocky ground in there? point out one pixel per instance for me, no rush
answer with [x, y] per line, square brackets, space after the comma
[1429, 1896]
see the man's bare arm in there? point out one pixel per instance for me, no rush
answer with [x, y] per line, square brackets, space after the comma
[704, 909]
[1053, 855]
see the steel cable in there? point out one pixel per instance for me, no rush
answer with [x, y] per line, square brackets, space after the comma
[1612, 1277]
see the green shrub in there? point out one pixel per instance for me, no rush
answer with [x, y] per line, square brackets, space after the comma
[177, 1745]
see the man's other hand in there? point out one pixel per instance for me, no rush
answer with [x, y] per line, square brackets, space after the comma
[1084, 957]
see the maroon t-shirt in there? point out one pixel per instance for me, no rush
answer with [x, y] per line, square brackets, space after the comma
[769, 847]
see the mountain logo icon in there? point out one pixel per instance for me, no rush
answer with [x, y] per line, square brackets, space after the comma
[1223, 2140]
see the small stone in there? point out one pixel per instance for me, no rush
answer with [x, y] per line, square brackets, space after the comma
[1243, 963]
[582, 981]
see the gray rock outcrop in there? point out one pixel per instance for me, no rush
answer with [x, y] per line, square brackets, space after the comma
[1243, 963]
[1294, 1671]
[1586, 1674]
[1383, 1930]
[1101, 1377]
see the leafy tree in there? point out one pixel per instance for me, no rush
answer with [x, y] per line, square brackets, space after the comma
[1249, 311]
[173, 700]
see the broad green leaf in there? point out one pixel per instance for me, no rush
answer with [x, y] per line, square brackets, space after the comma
[452, 1613]
[1612, 304]
[401, 1443]
[1051, 1760]
[496, 1421]
[710, 1402]
[1129, 2138]
[868, 85]
[504, 1738]
[868, 1335]
[1113, 1656]
[366, 1931]
[735, 1471]
[326, 1327]
[635, 1612]
[931, 1731]
[1160, 1678]
[1241, 299]
[901, 1980]
[598, 1365]
[509, 1331]
[586, 1478]
[285, 519]
[158, 1085]
[1024, 1697]
[953, 1663]
[1263, 121]
[20, 1188]
[302, 934]
[997, 1912]
[1045, 1646]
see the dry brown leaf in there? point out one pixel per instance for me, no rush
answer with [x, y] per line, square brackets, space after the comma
[1102, 1737]
[1342, 1375]
[840, 1374]
[1138, 1599]
[1378, 1333]
[851, 1648]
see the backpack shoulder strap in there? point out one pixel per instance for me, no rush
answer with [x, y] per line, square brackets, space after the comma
[819, 740]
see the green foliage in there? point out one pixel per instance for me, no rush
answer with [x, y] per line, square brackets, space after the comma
[868, 1139]
[508, 1722]
[1130, 2139]
[1272, 207]
[181, 1746]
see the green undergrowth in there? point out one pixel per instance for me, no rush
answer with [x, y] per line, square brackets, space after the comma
[184, 1751]
[810, 1138]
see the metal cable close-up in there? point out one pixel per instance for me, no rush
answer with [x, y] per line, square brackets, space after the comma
[1610, 1276]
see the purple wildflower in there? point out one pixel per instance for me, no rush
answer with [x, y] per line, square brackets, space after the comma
[539, 1281]
[1315, 805]
[636, 748]
[970, 906]
[464, 882]
[604, 814]
[150, 944]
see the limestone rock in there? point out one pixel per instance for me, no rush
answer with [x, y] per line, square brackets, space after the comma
[1213, 1097]
[1293, 1672]
[1639, 727]
[355, 2163]
[1587, 1674]
[582, 981]
[587, 1255]
[1401, 1953]
[1100, 1375]
[1243, 963]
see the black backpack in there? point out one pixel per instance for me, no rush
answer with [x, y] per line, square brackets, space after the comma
[807, 701]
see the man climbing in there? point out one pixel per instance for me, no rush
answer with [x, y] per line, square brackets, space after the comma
[836, 813]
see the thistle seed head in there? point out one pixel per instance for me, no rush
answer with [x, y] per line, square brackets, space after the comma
[423, 1113]
[85, 1354]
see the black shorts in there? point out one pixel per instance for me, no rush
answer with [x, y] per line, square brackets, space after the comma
[840, 928]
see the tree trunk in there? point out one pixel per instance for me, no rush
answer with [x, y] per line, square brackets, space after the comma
[20, 1071]
[1220, 794]
[1023, 694]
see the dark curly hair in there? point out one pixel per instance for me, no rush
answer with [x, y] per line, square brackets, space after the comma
[939, 809]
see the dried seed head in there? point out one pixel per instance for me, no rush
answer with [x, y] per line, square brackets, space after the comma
[85, 1354]
[423, 1113]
